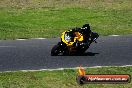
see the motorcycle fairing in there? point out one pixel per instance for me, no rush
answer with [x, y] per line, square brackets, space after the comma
[69, 39]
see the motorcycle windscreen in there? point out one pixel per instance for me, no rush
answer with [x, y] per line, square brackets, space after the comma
[68, 37]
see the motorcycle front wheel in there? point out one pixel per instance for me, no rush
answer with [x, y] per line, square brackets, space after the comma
[58, 50]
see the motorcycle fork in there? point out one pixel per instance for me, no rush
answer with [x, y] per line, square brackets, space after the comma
[72, 49]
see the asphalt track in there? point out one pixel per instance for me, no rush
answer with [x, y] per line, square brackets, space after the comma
[34, 54]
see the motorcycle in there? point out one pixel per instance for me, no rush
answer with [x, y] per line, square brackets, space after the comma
[73, 43]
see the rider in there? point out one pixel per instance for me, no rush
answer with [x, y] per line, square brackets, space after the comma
[89, 36]
[85, 31]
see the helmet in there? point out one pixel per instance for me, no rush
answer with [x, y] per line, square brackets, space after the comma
[86, 28]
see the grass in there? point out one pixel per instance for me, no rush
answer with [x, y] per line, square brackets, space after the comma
[59, 79]
[48, 18]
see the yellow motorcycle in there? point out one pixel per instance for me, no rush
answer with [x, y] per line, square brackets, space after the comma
[73, 43]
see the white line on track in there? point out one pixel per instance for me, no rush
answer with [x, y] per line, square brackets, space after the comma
[32, 38]
[20, 39]
[114, 35]
[38, 38]
[66, 68]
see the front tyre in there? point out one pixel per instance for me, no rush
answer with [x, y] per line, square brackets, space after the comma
[55, 50]
[59, 49]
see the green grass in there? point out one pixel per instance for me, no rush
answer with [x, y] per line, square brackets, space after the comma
[48, 18]
[59, 79]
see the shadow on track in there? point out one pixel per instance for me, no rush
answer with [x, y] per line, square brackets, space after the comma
[88, 54]
[84, 54]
